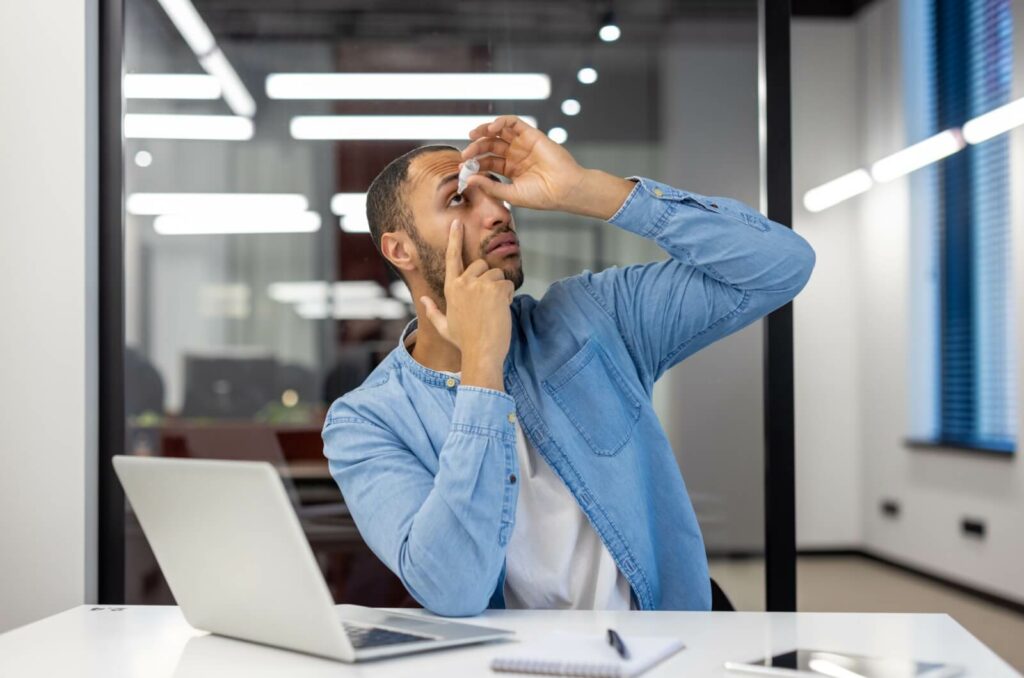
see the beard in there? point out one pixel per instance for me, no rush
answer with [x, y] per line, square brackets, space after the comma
[433, 265]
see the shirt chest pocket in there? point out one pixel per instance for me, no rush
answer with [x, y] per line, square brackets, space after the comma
[596, 398]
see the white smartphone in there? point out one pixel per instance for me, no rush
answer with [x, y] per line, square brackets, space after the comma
[817, 663]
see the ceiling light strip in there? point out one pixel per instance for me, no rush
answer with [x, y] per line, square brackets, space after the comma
[389, 127]
[409, 86]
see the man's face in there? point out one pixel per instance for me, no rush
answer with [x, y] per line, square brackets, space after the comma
[488, 230]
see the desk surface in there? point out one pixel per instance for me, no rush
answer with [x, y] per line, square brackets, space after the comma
[156, 642]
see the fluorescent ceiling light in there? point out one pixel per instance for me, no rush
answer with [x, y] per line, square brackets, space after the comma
[995, 122]
[196, 33]
[379, 127]
[407, 86]
[299, 292]
[351, 207]
[587, 75]
[917, 156]
[193, 29]
[221, 203]
[228, 224]
[158, 126]
[236, 96]
[837, 190]
[170, 86]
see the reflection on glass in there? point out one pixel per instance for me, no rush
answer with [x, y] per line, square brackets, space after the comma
[254, 295]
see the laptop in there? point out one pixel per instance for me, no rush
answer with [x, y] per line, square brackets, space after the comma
[233, 552]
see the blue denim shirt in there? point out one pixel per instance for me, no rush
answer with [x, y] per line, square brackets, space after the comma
[428, 466]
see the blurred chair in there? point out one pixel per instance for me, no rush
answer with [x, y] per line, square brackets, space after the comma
[719, 601]
[143, 385]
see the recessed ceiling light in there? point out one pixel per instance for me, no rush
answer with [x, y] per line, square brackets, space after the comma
[609, 33]
[558, 135]
[587, 75]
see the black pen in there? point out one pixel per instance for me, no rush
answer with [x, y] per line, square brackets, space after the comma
[616, 641]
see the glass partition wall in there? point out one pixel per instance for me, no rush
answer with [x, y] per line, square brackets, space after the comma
[254, 295]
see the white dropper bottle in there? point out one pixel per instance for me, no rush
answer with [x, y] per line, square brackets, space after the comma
[469, 168]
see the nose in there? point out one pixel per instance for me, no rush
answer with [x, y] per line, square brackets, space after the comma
[491, 212]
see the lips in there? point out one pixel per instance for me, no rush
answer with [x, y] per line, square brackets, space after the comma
[505, 242]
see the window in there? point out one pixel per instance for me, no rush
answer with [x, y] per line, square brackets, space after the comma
[962, 384]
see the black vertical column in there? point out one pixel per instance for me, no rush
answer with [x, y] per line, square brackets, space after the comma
[777, 193]
[111, 302]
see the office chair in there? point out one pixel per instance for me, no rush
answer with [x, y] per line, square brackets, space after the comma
[719, 601]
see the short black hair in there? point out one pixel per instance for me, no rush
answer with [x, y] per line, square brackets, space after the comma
[386, 207]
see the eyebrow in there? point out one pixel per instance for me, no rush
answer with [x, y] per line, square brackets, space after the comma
[447, 179]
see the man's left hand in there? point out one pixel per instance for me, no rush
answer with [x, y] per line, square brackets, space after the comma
[544, 175]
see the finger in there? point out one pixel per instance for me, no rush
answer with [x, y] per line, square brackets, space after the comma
[453, 255]
[510, 128]
[509, 288]
[485, 145]
[479, 131]
[493, 164]
[476, 268]
[493, 188]
[438, 319]
[493, 274]
[511, 122]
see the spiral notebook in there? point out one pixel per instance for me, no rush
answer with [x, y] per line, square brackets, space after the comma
[591, 656]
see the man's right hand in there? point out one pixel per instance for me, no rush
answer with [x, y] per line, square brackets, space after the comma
[477, 318]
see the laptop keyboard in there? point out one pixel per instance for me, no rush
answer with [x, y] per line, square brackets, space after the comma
[363, 637]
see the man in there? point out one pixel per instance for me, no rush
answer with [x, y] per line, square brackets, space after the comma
[506, 453]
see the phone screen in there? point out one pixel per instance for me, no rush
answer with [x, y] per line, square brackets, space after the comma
[841, 665]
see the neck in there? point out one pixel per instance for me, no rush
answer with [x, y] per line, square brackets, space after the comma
[432, 350]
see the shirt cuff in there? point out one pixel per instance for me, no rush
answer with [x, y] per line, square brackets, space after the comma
[650, 202]
[484, 411]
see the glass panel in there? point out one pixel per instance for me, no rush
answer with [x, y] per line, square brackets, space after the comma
[255, 296]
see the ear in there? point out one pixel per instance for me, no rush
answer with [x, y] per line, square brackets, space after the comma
[399, 250]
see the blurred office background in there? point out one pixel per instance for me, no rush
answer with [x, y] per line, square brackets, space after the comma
[254, 297]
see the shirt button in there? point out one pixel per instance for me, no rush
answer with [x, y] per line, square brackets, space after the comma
[450, 383]
[512, 418]
[512, 479]
[658, 192]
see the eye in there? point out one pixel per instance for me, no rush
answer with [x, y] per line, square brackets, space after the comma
[456, 200]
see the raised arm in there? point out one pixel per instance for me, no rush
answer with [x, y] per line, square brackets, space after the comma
[729, 265]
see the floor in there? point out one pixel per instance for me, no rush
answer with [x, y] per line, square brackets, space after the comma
[870, 586]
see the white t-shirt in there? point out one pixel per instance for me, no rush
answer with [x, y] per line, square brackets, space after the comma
[555, 559]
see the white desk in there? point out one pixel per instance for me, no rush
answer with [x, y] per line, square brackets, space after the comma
[155, 642]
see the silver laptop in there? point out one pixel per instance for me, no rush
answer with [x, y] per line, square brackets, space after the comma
[233, 552]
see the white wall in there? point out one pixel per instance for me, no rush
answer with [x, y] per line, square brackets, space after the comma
[47, 307]
[852, 330]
